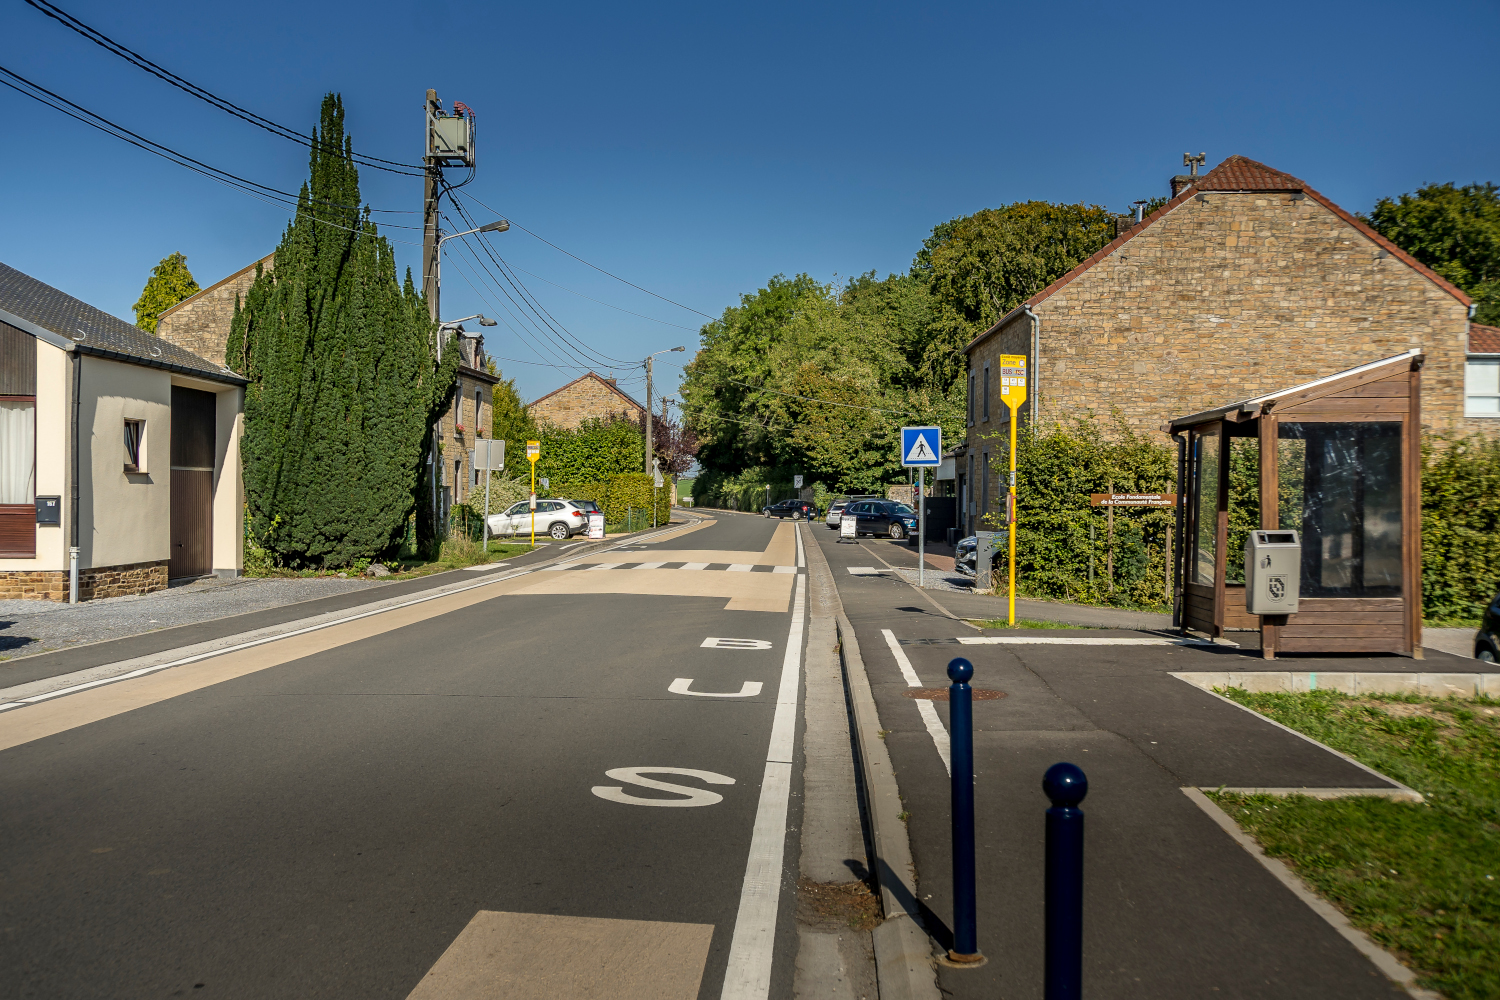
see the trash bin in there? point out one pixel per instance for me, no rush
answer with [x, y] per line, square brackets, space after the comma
[1273, 572]
[987, 544]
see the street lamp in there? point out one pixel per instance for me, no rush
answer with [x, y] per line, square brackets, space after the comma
[498, 226]
[648, 401]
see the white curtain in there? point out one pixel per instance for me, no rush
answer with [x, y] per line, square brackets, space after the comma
[17, 451]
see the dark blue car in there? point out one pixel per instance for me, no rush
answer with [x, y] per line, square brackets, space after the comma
[882, 517]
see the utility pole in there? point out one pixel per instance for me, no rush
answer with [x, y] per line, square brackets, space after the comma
[431, 192]
[648, 414]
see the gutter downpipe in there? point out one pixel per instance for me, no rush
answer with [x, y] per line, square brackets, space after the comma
[1036, 367]
[73, 499]
[1177, 556]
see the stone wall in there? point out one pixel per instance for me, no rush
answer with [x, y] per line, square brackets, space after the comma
[1222, 299]
[457, 443]
[99, 581]
[588, 397]
[201, 323]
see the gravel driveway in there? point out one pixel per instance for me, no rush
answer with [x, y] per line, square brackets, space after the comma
[28, 627]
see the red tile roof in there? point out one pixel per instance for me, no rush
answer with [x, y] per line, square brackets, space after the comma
[1234, 173]
[1484, 339]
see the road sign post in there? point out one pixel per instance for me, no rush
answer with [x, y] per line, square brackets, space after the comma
[533, 452]
[1012, 394]
[489, 455]
[921, 448]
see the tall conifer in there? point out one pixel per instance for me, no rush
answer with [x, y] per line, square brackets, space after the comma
[344, 385]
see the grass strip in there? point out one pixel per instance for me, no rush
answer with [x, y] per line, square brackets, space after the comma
[1022, 623]
[1422, 880]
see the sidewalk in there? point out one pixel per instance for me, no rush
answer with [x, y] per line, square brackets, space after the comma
[1174, 906]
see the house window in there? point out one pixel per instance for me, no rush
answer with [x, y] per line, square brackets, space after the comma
[984, 487]
[971, 398]
[135, 446]
[986, 397]
[18, 451]
[1482, 387]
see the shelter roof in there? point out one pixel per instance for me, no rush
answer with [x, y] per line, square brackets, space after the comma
[1235, 173]
[74, 325]
[1336, 382]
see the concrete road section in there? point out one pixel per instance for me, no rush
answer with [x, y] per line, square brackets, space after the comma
[513, 791]
[1174, 907]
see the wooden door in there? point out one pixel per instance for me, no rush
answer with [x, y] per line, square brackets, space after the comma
[193, 436]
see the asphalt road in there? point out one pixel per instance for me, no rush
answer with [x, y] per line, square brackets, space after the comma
[328, 826]
[1173, 907]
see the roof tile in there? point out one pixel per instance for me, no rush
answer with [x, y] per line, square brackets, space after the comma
[1484, 339]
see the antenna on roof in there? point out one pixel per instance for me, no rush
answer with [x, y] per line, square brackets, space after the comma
[1193, 162]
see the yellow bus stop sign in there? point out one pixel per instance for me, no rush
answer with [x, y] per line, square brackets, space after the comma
[533, 451]
[1012, 379]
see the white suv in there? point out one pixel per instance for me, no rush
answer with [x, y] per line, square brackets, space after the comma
[557, 518]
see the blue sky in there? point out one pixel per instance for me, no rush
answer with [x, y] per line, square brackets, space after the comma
[699, 149]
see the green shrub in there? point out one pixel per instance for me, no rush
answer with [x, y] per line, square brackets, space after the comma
[1460, 526]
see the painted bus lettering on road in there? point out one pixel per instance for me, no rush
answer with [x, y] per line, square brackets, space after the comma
[634, 775]
[683, 685]
[713, 642]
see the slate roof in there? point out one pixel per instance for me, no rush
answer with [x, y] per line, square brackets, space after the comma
[1234, 173]
[60, 319]
[1484, 339]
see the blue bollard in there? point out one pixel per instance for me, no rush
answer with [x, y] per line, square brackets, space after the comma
[961, 752]
[1066, 785]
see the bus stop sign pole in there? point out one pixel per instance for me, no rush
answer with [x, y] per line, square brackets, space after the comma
[533, 452]
[1012, 394]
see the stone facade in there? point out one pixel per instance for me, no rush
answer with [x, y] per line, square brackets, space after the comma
[201, 322]
[96, 582]
[467, 419]
[590, 396]
[1220, 296]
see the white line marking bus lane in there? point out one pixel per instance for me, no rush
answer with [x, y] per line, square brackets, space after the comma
[684, 685]
[924, 705]
[747, 975]
[692, 796]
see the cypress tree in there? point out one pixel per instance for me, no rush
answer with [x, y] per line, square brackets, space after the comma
[344, 387]
[169, 284]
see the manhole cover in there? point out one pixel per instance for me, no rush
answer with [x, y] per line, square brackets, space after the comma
[941, 694]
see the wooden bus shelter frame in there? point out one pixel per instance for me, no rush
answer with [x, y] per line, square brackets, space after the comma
[1387, 391]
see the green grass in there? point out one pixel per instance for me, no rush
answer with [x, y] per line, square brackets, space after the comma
[457, 552]
[1422, 880]
[1022, 623]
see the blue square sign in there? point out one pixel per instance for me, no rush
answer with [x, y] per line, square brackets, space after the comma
[921, 447]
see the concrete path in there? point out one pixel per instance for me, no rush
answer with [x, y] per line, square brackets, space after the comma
[1175, 907]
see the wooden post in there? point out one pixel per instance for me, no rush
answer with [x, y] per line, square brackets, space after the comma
[1109, 540]
[1411, 511]
[1270, 518]
[1221, 530]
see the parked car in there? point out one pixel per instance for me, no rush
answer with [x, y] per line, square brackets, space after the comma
[966, 557]
[787, 508]
[1487, 639]
[882, 517]
[835, 513]
[559, 519]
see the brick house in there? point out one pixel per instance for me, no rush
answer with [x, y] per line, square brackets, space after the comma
[1246, 281]
[200, 323]
[586, 397]
[119, 453]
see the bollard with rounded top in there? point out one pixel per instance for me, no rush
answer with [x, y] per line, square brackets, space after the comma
[961, 754]
[1066, 785]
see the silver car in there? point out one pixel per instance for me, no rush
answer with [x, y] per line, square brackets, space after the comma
[559, 519]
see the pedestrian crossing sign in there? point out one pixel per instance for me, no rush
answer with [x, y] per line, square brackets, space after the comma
[921, 447]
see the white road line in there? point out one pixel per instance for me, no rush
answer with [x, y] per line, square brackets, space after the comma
[864, 571]
[801, 556]
[484, 566]
[910, 675]
[604, 566]
[783, 569]
[937, 732]
[748, 973]
[740, 567]
[655, 565]
[925, 707]
[694, 566]
[1040, 640]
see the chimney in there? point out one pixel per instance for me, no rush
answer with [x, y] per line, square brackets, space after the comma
[1182, 181]
[611, 382]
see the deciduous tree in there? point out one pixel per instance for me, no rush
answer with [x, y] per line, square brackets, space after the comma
[169, 284]
[1453, 230]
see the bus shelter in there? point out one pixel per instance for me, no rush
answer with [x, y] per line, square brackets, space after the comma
[1338, 460]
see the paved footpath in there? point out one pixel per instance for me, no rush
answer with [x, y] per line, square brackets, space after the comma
[1174, 907]
[546, 785]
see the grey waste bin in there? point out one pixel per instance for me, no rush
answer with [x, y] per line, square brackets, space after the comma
[1273, 572]
[987, 543]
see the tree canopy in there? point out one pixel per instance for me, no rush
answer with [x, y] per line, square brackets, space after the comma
[1453, 230]
[344, 386]
[169, 284]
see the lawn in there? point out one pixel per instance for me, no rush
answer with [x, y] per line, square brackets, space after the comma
[1021, 623]
[457, 552]
[1422, 880]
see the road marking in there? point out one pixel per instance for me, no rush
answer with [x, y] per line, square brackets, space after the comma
[747, 975]
[713, 642]
[683, 685]
[693, 796]
[864, 571]
[925, 708]
[484, 566]
[605, 565]
[1049, 640]
[695, 566]
[541, 956]
[655, 565]
[783, 569]
[740, 567]
[801, 556]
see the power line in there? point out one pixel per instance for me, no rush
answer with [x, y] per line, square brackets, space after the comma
[538, 277]
[825, 402]
[187, 87]
[596, 267]
[463, 272]
[57, 102]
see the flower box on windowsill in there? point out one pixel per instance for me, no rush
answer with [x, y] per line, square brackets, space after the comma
[458, 428]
